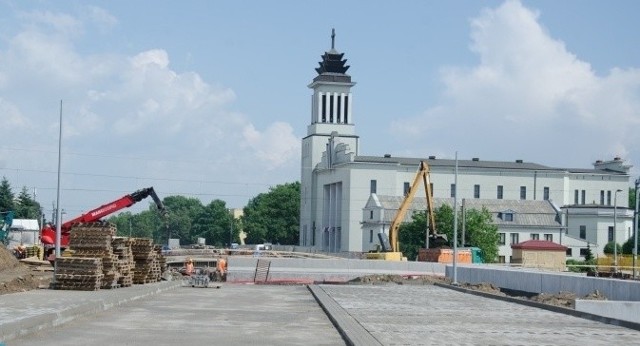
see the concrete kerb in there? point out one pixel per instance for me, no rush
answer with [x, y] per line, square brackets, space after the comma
[353, 333]
[553, 308]
[44, 321]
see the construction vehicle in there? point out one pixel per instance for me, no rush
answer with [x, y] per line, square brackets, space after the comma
[6, 226]
[391, 247]
[48, 233]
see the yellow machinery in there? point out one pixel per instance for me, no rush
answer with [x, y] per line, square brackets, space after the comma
[391, 250]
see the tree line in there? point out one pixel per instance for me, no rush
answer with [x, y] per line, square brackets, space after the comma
[272, 217]
[23, 205]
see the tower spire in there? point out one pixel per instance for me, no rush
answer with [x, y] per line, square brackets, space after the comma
[333, 38]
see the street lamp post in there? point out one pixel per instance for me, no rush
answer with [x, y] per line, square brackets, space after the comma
[615, 230]
[635, 230]
[230, 228]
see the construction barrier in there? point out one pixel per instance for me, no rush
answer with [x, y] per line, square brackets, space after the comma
[444, 255]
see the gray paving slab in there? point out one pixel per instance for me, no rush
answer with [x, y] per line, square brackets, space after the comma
[235, 314]
[27, 312]
[430, 315]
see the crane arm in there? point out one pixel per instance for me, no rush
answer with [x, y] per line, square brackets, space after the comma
[48, 233]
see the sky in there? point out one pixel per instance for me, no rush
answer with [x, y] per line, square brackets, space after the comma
[209, 99]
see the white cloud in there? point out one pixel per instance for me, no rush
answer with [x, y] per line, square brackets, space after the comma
[100, 17]
[163, 124]
[529, 98]
[275, 146]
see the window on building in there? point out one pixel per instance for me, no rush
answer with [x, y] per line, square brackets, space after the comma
[584, 196]
[431, 187]
[407, 188]
[324, 108]
[609, 197]
[610, 235]
[535, 236]
[346, 109]
[502, 239]
[453, 190]
[370, 214]
[500, 191]
[569, 252]
[523, 192]
[507, 216]
[476, 191]
[584, 251]
[339, 104]
[545, 193]
[583, 232]
[548, 237]
[331, 108]
[515, 238]
[500, 259]
[575, 197]
[370, 236]
[601, 197]
[374, 186]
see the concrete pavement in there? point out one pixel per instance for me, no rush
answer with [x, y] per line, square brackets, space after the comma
[240, 314]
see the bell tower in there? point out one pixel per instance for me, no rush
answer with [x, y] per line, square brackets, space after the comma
[331, 122]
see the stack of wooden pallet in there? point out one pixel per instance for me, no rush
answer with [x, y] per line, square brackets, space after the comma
[147, 268]
[126, 264]
[76, 273]
[93, 240]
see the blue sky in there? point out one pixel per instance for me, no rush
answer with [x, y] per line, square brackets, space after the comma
[209, 99]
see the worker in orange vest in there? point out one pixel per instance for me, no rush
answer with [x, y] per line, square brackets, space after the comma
[188, 266]
[221, 269]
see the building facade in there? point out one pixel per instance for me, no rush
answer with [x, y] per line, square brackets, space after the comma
[337, 182]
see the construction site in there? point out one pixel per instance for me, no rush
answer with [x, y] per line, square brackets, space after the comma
[318, 301]
[47, 295]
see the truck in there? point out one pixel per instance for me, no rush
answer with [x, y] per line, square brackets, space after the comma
[48, 233]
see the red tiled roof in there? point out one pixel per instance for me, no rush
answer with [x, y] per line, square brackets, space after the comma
[539, 245]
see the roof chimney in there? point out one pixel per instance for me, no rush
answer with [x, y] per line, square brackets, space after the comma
[387, 155]
[475, 159]
[432, 157]
[518, 161]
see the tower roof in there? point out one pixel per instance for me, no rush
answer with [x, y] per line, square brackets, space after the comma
[332, 61]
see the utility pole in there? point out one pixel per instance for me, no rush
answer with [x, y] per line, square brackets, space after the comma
[231, 228]
[635, 230]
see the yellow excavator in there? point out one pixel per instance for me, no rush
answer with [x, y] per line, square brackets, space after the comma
[391, 247]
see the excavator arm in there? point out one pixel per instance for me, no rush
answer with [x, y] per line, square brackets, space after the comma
[422, 174]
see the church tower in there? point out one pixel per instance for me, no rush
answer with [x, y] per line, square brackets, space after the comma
[331, 124]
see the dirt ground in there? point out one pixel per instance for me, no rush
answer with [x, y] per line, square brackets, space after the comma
[563, 299]
[19, 277]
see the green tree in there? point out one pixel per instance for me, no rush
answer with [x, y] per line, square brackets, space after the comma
[627, 247]
[608, 248]
[214, 223]
[182, 213]
[481, 232]
[274, 216]
[6, 196]
[411, 235]
[26, 206]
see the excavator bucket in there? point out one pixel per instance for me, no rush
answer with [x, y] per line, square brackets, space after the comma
[438, 241]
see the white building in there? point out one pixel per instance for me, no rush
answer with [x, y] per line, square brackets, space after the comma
[337, 181]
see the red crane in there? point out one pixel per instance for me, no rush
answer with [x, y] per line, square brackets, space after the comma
[48, 233]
